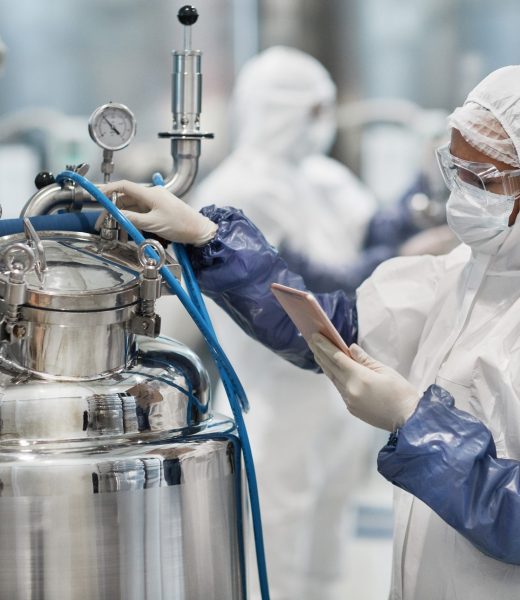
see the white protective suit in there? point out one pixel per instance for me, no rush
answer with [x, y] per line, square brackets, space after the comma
[453, 320]
[307, 460]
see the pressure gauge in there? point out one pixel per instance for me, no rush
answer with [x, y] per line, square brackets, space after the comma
[112, 126]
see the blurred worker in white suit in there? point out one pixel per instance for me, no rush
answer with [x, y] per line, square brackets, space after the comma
[309, 453]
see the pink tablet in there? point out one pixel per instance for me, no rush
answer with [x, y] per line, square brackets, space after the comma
[308, 316]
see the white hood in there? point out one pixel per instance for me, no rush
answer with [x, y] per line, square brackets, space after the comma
[284, 105]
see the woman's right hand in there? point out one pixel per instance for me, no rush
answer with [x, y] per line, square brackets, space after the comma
[156, 210]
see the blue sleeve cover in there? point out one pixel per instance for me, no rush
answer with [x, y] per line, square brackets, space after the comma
[236, 269]
[447, 458]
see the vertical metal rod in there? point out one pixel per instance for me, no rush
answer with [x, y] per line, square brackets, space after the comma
[187, 39]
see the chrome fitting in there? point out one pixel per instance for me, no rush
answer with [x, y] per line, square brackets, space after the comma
[147, 322]
[19, 259]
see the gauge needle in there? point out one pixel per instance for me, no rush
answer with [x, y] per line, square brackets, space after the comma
[112, 127]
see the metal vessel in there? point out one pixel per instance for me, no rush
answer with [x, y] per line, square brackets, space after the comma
[116, 481]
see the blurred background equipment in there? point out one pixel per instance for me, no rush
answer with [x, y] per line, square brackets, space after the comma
[425, 52]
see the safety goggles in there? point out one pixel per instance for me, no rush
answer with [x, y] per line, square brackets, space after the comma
[465, 174]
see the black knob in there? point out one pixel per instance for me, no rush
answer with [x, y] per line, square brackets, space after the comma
[188, 15]
[43, 179]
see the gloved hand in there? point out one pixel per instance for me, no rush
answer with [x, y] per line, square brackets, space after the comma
[156, 210]
[372, 391]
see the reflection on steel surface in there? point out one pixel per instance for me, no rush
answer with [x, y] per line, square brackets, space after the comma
[116, 481]
[157, 529]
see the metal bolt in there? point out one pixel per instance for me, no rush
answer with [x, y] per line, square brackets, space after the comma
[19, 331]
[144, 326]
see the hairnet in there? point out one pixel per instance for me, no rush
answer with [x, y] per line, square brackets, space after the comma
[284, 103]
[489, 119]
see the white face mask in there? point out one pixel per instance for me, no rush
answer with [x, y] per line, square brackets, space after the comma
[322, 132]
[479, 218]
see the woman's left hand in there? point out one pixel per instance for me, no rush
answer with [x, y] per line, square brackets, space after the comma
[372, 391]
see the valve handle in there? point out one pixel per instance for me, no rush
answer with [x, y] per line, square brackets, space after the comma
[81, 169]
[187, 15]
[36, 245]
[43, 179]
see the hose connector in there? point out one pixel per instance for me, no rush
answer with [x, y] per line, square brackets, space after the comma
[109, 232]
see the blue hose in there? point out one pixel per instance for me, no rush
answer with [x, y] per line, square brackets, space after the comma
[76, 221]
[235, 392]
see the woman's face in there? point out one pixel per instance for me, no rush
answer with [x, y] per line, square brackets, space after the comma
[460, 148]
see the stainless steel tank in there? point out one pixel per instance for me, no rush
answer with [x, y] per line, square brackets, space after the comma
[116, 481]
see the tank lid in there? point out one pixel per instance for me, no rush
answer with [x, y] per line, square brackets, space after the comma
[79, 276]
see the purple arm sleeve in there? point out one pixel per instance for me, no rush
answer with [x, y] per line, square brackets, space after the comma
[447, 458]
[236, 270]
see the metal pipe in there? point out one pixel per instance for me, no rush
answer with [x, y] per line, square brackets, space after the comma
[186, 92]
[52, 198]
[185, 153]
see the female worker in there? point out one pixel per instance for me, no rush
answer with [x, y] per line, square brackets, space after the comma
[449, 326]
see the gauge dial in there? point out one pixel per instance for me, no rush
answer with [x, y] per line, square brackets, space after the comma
[112, 126]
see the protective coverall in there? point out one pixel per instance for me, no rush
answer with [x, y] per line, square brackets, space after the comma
[466, 343]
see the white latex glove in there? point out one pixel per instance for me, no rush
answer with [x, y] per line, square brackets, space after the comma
[156, 210]
[372, 391]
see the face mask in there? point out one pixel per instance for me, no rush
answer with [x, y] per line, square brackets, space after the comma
[479, 218]
[321, 133]
[315, 135]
